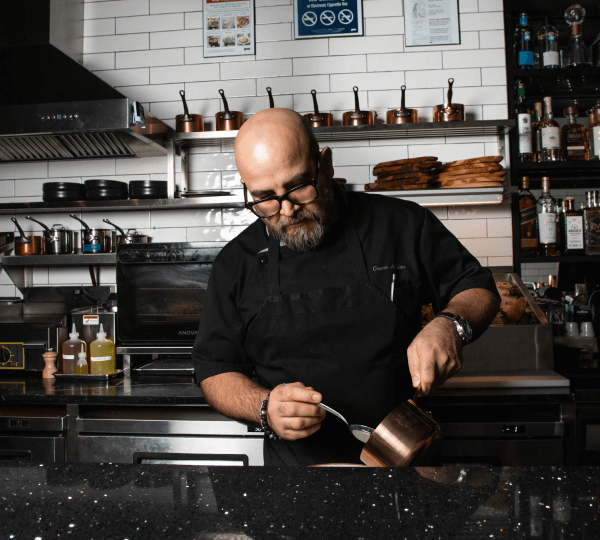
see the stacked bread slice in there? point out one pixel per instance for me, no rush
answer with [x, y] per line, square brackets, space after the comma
[428, 173]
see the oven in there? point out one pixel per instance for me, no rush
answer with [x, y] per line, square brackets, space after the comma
[161, 292]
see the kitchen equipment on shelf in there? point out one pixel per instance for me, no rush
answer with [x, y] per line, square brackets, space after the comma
[56, 240]
[148, 189]
[96, 240]
[318, 119]
[26, 245]
[129, 237]
[63, 191]
[187, 123]
[99, 190]
[228, 120]
[402, 115]
[362, 433]
[404, 436]
[271, 102]
[358, 117]
[449, 112]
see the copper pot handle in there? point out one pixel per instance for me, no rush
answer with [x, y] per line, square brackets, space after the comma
[450, 82]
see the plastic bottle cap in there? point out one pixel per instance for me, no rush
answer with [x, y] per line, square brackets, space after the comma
[74, 334]
[82, 352]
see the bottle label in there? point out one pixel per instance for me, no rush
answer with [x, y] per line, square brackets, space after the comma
[528, 214]
[68, 357]
[593, 231]
[547, 224]
[574, 232]
[550, 137]
[524, 121]
[523, 21]
[101, 358]
[526, 58]
[596, 136]
[93, 320]
[551, 58]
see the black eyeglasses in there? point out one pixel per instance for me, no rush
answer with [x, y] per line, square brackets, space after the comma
[299, 195]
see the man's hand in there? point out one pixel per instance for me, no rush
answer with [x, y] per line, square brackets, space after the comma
[435, 354]
[292, 411]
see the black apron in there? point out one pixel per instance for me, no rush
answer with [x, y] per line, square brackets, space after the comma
[349, 343]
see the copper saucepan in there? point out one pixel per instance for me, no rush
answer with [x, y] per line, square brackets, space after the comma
[402, 115]
[228, 120]
[449, 112]
[318, 119]
[27, 245]
[403, 438]
[358, 117]
[187, 123]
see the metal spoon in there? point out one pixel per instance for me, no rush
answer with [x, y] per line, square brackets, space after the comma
[362, 433]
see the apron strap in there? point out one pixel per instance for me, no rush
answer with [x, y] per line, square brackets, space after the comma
[273, 264]
[356, 256]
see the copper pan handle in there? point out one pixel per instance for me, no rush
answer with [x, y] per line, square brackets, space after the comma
[450, 82]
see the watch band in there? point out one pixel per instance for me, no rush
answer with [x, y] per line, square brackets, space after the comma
[462, 325]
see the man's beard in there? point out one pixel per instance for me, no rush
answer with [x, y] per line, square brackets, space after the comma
[308, 235]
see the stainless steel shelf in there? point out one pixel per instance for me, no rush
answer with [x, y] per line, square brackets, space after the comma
[228, 200]
[420, 130]
[77, 259]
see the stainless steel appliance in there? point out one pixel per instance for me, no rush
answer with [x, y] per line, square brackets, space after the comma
[162, 288]
[55, 108]
[180, 435]
[30, 433]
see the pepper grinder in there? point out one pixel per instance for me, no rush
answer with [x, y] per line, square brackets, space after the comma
[50, 369]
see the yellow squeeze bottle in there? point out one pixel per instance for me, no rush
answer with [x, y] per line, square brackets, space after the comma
[102, 354]
[82, 367]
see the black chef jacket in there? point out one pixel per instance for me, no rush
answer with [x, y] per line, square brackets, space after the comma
[398, 238]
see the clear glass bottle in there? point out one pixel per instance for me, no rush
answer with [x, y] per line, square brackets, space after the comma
[102, 354]
[523, 44]
[547, 217]
[576, 53]
[574, 145]
[592, 224]
[537, 134]
[524, 121]
[593, 132]
[529, 225]
[547, 38]
[573, 232]
[549, 134]
[70, 350]
[560, 219]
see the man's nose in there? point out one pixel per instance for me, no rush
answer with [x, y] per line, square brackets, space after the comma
[287, 208]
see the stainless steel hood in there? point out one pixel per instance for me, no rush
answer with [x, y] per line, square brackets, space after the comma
[51, 107]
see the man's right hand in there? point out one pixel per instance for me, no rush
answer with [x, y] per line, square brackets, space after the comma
[293, 413]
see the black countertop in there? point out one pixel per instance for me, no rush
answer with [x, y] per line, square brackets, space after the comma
[96, 501]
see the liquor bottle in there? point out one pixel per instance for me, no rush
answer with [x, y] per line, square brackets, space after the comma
[576, 53]
[529, 225]
[524, 121]
[523, 47]
[547, 37]
[549, 134]
[560, 219]
[593, 132]
[573, 229]
[546, 213]
[536, 133]
[592, 224]
[574, 145]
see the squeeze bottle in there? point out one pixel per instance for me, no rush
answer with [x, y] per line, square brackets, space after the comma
[82, 367]
[70, 349]
[102, 354]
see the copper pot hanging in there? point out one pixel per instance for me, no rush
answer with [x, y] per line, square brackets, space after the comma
[318, 119]
[402, 115]
[449, 112]
[228, 120]
[358, 117]
[187, 123]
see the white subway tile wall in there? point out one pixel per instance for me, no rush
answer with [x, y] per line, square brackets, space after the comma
[150, 49]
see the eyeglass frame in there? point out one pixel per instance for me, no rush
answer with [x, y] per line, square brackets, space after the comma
[284, 196]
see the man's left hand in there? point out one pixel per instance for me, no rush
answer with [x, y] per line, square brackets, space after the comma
[435, 354]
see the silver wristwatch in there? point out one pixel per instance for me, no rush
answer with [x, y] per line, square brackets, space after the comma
[462, 325]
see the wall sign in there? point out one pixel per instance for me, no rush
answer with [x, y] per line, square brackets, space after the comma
[431, 22]
[228, 28]
[327, 18]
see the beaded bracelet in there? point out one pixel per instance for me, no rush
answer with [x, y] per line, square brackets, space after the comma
[264, 423]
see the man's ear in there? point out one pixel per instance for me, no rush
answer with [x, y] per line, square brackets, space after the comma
[326, 162]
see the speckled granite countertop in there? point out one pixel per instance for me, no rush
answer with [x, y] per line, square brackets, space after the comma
[96, 501]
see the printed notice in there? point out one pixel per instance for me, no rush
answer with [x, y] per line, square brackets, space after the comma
[431, 22]
[228, 28]
[328, 18]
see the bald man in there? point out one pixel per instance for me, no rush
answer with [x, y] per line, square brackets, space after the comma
[319, 300]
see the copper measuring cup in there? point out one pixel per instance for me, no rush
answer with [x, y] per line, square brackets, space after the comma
[449, 112]
[358, 117]
[228, 120]
[402, 438]
[318, 119]
[402, 115]
[187, 123]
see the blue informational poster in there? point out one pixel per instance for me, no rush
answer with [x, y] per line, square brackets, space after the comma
[327, 18]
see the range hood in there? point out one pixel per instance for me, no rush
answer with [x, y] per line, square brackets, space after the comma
[51, 107]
